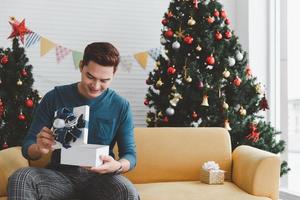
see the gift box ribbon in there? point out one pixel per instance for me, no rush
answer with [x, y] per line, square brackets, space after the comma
[66, 126]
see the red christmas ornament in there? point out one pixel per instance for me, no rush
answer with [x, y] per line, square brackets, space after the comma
[218, 35]
[188, 39]
[24, 72]
[248, 71]
[4, 60]
[228, 34]
[146, 102]
[5, 145]
[194, 115]
[19, 29]
[1, 108]
[171, 70]
[164, 22]
[29, 103]
[169, 33]
[195, 4]
[223, 14]
[165, 119]
[21, 117]
[210, 20]
[216, 13]
[227, 21]
[210, 60]
[263, 104]
[237, 81]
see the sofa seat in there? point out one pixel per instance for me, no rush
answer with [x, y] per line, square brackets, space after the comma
[193, 190]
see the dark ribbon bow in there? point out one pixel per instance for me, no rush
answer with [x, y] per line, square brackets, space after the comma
[71, 131]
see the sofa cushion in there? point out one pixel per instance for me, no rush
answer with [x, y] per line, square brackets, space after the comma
[177, 154]
[193, 190]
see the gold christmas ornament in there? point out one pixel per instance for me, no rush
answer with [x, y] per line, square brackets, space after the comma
[174, 101]
[227, 125]
[205, 101]
[225, 105]
[174, 88]
[243, 111]
[189, 79]
[19, 82]
[159, 83]
[148, 120]
[160, 114]
[226, 73]
[258, 88]
[191, 22]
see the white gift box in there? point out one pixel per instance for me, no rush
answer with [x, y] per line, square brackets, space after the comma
[84, 155]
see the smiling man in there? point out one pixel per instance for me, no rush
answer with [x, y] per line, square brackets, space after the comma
[110, 122]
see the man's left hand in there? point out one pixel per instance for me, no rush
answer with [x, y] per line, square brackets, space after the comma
[109, 165]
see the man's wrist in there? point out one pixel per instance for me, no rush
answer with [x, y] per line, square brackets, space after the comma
[119, 170]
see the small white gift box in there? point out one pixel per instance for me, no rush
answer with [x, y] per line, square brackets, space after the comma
[84, 155]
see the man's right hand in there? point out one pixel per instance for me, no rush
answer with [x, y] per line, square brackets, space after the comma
[45, 140]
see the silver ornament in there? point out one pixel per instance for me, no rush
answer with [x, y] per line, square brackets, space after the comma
[59, 123]
[170, 111]
[176, 45]
[239, 56]
[231, 61]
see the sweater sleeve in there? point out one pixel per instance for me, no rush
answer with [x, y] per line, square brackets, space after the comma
[43, 117]
[125, 139]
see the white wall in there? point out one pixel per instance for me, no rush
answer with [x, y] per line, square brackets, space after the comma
[133, 26]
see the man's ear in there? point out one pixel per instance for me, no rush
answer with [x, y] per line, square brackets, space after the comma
[81, 65]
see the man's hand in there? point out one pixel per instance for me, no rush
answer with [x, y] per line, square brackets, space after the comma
[45, 140]
[109, 165]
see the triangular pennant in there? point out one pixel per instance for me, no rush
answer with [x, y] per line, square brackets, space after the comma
[77, 57]
[61, 53]
[46, 46]
[126, 62]
[31, 39]
[154, 53]
[142, 59]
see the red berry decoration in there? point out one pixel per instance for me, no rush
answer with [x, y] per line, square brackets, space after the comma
[169, 33]
[210, 20]
[146, 102]
[210, 60]
[24, 72]
[228, 34]
[227, 21]
[4, 60]
[165, 119]
[263, 104]
[248, 71]
[194, 115]
[223, 14]
[188, 39]
[218, 35]
[171, 70]
[5, 145]
[29, 103]
[216, 13]
[237, 81]
[170, 14]
[164, 22]
[21, 117]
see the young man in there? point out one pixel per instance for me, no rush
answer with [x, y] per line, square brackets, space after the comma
[110, 122]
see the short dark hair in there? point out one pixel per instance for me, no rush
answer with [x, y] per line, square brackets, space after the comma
[102, 53]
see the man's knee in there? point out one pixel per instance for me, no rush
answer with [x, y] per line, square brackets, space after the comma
[21, 176]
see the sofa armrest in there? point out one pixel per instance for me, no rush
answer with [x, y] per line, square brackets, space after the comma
[256, 171]
[11, 159]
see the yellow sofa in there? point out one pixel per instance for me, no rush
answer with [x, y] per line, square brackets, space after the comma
[169, 162]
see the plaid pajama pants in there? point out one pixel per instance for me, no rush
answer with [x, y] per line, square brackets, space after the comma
[40, 183]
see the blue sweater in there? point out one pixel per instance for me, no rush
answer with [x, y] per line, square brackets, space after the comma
[110, 120]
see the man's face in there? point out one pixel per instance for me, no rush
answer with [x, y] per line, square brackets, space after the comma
[95, 79]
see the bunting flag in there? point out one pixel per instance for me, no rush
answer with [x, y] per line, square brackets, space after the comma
[77, 57]
[46, 46]
[61, 52]
[126, 62]
[155, 52]
[142, 58]
[31, 39]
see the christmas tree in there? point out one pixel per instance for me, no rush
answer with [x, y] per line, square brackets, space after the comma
[202, 78]
[17, 98]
